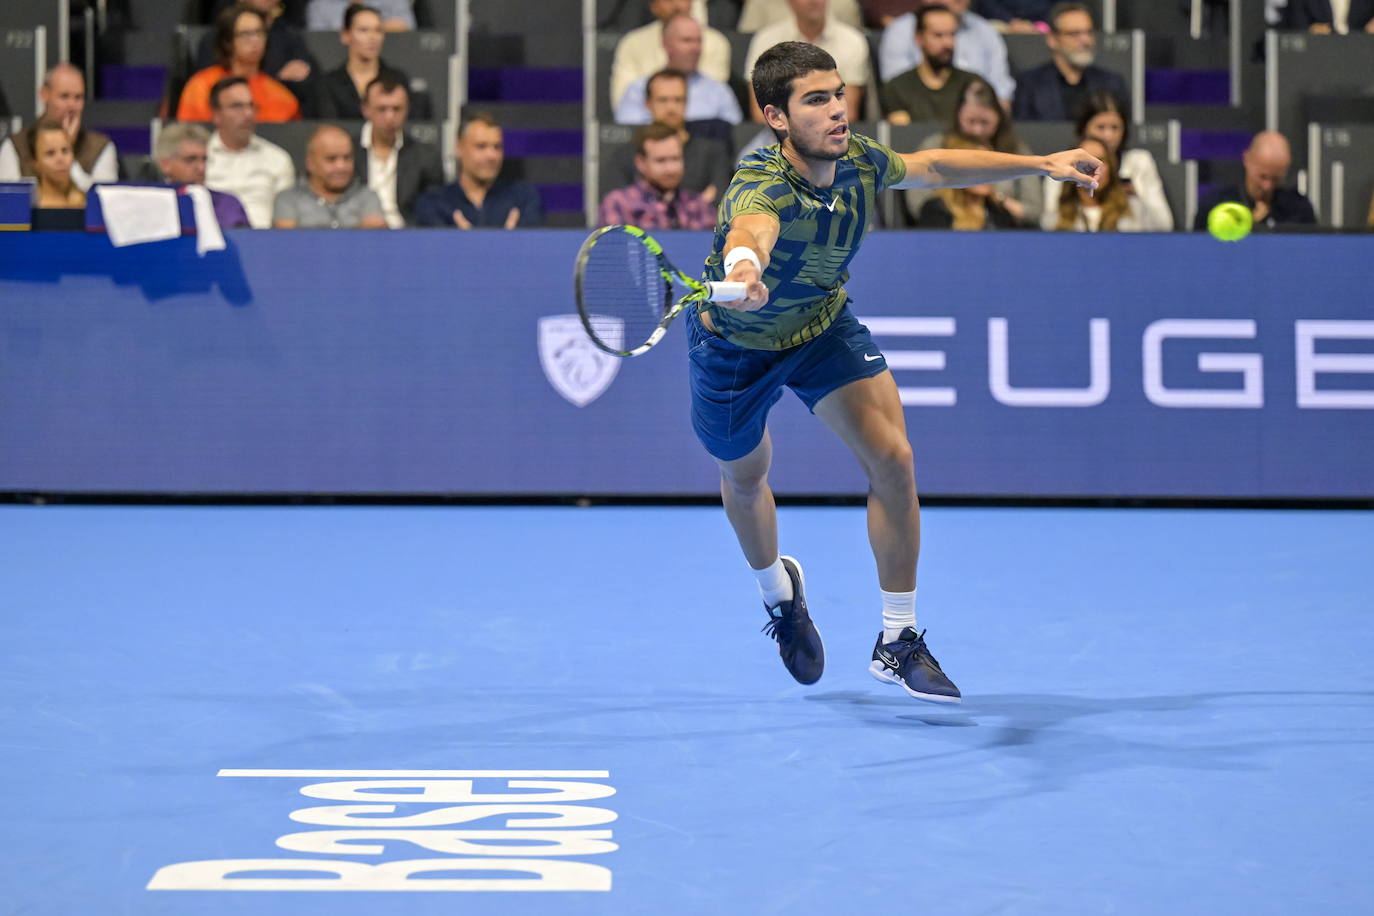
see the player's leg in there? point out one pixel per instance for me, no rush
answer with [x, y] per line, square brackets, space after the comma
[732, 392]
[867, 415]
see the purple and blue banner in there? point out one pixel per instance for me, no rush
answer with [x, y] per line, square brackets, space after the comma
[429, 362]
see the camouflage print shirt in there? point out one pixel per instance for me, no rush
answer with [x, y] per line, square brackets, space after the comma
[821, 229]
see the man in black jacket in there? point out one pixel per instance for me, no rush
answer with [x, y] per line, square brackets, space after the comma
[1055, 91]
[1273, 206]
[397, 167]
[1318, 16]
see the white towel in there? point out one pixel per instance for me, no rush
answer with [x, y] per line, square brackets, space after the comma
[136, 214]
[208, 234]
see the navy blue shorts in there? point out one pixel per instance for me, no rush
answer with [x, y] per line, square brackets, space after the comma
[734, 387]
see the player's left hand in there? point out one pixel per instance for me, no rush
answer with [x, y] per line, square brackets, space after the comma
[1076, 166]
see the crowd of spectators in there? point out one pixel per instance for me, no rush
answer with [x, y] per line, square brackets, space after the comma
[938, 61]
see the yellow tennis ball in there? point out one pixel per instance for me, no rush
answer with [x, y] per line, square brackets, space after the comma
[1230, 222]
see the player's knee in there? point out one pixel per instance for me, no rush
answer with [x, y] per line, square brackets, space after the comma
[893, 464]
[744, 481]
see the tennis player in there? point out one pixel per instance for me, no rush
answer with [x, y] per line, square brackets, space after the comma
[789, 224]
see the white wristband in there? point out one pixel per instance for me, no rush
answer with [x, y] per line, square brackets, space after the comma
[740, 253]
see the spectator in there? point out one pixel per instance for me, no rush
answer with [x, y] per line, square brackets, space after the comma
[341, 90]
[1108, 209]
[1325, 17]
[707, 162]
[240, 43]
[973, 209]
[810, 22]
[331, 196]
[878, 14]
[397, 167]
[181, 155]
[63, 95]
[707, 99]
[480, 198]
[1103, 118]
[1021, 17]
[641, 52]
[980, 120]
[930, 91]
[286, 57]
[1273, 206]
[325, 15]
[51, 163]
[759, 13]
[978, 48]
[239, 162]
[1055, 91]
[657, 199]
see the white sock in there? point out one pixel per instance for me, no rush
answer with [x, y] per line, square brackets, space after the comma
[899, 612]
[774, 583]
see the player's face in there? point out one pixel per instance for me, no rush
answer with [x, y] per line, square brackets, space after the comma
[1107, 127]
[661, 163]
[815, 119]
[667, 101]
[187, 165]
[936, 40]
[481, 151]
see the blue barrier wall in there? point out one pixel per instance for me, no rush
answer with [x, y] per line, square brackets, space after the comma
[411, 362]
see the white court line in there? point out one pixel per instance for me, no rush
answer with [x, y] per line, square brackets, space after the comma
[425, 774]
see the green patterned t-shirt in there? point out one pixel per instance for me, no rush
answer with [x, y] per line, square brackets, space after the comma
[821, 229]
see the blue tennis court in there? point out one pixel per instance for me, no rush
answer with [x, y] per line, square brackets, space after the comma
[1166, 711]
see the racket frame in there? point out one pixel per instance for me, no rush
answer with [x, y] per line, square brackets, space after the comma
[697, 291]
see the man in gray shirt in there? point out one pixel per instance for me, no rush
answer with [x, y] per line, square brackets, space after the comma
[330, 197]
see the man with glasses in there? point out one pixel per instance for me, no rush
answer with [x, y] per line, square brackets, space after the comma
[239, 161]
[181, 155]
[1055, 91]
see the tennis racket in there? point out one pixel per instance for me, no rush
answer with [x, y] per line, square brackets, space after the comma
[625, 293]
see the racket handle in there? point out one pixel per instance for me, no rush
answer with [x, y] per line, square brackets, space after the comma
[722, 291]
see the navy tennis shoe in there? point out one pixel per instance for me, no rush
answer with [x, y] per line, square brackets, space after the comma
[908, 663]
[799, 642]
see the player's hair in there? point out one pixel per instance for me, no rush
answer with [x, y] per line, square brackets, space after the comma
[929, 8]
[1114, 200]
[478, 116]
[651, 133]
[224, 31]
[1061, 9]
[667, 73]
[780, 66]
[1100, 103]
[353, 11]
[389, 82]
[227, 83]
[979, 92]
[170, 138]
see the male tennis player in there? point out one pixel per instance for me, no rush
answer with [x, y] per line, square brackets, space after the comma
[790, 222]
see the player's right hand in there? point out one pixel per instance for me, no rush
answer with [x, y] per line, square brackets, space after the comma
[756, 294]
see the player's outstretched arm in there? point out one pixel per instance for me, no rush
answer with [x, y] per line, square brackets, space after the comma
[964, 168]
[752, 233]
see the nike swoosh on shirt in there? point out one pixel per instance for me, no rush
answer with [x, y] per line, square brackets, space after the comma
[869, 359]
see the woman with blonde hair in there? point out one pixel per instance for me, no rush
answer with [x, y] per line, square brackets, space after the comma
[967, 209]
[980, 118]
[1109, 209]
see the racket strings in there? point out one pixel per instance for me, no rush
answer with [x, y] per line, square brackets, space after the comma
[623, 293]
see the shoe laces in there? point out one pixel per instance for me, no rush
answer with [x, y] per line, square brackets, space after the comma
[918, 648]
[779, 627]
